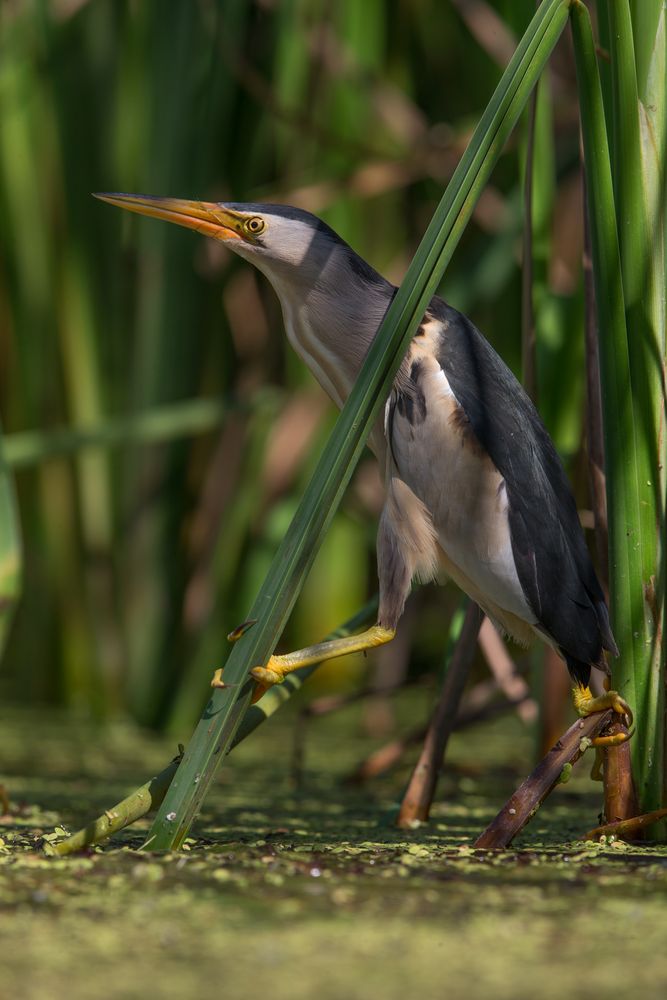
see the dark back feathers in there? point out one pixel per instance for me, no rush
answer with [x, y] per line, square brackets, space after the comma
[550, 553]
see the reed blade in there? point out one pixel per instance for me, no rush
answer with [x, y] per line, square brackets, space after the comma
[628, 365]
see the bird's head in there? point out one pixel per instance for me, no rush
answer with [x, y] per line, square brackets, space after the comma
[281, 241]
[332, 300]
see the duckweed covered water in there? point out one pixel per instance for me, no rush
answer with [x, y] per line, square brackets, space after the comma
[312, 892]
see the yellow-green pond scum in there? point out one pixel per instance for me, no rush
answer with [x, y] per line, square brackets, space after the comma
[312, 892]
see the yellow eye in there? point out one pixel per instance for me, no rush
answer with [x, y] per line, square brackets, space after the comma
[254, 225]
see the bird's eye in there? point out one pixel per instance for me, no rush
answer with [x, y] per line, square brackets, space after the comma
[254, 225]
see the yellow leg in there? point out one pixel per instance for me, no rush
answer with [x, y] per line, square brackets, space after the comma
[278, 667]
[586, 704]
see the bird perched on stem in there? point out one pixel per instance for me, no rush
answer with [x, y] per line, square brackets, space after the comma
[472, 479]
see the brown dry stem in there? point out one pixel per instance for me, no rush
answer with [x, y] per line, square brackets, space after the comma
[620, 798]
[505, 672]
[525, 802]
[627, 829]
[385, 757]
[418, 797]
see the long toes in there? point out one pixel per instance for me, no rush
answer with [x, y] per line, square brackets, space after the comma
[218, 682]
[621, 707]
[613, 740]
[241, 629]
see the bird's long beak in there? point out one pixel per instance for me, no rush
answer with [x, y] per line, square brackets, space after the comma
[205, 217]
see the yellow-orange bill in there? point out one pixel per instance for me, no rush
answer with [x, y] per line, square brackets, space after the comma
[205, 217]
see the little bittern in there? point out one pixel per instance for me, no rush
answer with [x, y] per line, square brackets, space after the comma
[473, 481]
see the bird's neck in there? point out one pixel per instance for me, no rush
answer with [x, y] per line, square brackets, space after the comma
[331, 323]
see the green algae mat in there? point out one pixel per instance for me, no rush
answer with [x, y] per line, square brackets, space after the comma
[310, 891]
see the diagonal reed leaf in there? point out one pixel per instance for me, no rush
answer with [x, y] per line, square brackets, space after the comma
[279, 592]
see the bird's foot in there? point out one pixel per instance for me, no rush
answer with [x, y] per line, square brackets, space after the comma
[273, 673]
[234, 636]
[217, 681]
[266, 677]
[277, 668]
[586, 704]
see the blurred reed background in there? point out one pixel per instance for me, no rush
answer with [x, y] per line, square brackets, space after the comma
[157, 428]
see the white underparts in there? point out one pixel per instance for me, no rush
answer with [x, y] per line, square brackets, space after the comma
[461, 492]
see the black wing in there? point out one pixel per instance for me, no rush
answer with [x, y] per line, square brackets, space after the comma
[552, 561]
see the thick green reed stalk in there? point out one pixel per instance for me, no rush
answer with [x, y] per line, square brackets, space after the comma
[628, 267]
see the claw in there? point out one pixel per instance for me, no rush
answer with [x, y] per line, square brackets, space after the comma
[620, 706]
[234, 636]
[613, 740]
[217, 681]
[241, 629]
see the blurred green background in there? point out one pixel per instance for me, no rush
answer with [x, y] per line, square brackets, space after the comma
[165, 356]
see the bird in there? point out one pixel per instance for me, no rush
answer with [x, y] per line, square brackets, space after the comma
[474, 487]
